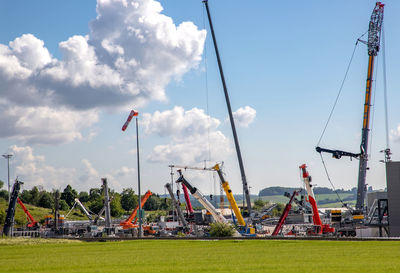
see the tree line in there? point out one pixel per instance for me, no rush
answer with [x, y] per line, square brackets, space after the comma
[121, 203]
[270, 191]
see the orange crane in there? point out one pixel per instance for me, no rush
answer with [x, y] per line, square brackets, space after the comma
[32, 223]
[127, 224]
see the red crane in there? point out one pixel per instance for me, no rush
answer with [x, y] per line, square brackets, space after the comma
[284, 214]
[320, 228]
[32, 223]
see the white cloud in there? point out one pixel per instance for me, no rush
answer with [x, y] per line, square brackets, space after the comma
[44, 125]
[191, 134]
[178, 122]
[244, 116]
[129, 56]
[33, 170]
[395, 134]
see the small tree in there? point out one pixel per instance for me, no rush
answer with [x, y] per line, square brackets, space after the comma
[115, 205]
[63, 205]
[2, 217]
[46, 200]
[1, 184]
[83, 196]
[69, 195]
[221, 230]
[4, 194]
[129, 199]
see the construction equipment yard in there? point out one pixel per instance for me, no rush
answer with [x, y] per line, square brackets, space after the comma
[186, 229]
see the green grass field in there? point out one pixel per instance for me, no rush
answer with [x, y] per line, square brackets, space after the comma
[198, 256]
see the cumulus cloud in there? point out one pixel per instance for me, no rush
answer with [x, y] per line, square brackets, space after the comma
[191, 133]
[129, 56]
[39, 125]
[395, 134]
[35, 171]
[244, 116]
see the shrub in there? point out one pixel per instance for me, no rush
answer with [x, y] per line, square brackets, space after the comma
[221, 230]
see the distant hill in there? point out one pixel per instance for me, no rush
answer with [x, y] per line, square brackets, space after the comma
[271, 191]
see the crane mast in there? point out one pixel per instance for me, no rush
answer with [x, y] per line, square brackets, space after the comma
[374, 35]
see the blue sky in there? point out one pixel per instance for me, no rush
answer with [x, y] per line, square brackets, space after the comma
[284, 60]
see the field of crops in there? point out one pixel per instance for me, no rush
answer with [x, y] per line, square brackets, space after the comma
[199, 256]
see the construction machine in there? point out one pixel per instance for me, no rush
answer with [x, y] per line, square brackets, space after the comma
[127, 224]
[373, 44]
[9, 223]
[218, 217]
[177, 206]
[244, 229]
[319, 227]
[32, 224]
[284, 214]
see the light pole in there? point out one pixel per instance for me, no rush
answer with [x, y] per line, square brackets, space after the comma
[8, 156]
[131, 115]
[138, 173]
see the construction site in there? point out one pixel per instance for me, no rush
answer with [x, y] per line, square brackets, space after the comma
[375, 214]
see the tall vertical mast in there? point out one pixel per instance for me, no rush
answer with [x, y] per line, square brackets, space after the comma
[374, 35]
[228, 104]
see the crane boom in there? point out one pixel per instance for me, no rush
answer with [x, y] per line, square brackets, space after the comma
[176, 203]
[202, 200]
[128, 222]
[187, 199]
[32, 222]
[321, 228]
[9, 223]
[228, 105]
[374, 34]
[230, 196]
[84, 209]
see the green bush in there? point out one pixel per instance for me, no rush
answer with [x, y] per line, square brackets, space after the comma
[221, 230]
[2, 217]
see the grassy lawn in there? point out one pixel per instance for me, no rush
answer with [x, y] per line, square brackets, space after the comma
[198, 256]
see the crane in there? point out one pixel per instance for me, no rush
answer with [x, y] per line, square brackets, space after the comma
[202, 200]
[284, 214]
[176, 203]
[187, 199]
[373, 44]
[230, 196]
[228, 105]
[9, 222]
[32, 223]
[321, 228]
[128, 222]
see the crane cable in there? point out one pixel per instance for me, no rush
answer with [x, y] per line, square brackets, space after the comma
[330, 181]
[340, 90]
[385, 87]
